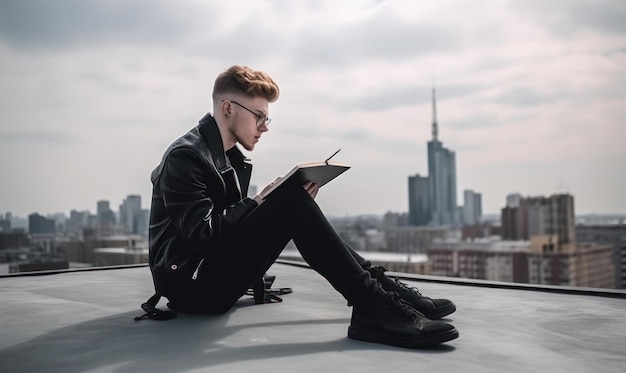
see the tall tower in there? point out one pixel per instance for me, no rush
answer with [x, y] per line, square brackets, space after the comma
[442, 178]
[419, 199]
[435, 128]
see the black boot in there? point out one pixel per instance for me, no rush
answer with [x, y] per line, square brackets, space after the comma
[432, 308]
[385, 318]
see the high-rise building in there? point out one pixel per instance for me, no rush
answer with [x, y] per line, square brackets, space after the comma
[419, 200]
[514, 223]
[104, 213]
[142, 222]
[561, 220]
[442, 177]
[440, 206]
[5, 223]
[513, 200]
[533, 216]
[40, 224]
[78, 221]
[131, 215]
[129, 209]
[613, 235]
[105, 219]
[472, 207]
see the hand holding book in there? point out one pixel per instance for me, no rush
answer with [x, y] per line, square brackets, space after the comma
[311, 176]
[311, 188]
[259, 198]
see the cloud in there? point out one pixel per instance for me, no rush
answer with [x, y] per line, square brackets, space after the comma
[398, 96]
[568, 18]
[527, 97]
[384, 38]
[473, 121]
[517, 83]
[615, 52]
[47, 25]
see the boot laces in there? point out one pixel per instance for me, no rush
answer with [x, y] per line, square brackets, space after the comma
[404, 287]
[379, 272]
[394, 301]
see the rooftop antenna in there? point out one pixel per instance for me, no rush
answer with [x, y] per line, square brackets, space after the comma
[435, 129]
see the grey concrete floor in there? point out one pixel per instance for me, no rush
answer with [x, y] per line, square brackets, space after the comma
[83, 322]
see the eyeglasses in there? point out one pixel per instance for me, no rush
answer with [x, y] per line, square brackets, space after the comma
[261, 119]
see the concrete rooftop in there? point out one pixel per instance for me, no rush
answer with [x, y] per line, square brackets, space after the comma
[83, 322]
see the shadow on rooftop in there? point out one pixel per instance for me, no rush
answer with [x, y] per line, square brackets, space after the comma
[117, 343]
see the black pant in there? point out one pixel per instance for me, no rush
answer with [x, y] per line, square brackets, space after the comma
[246, 253]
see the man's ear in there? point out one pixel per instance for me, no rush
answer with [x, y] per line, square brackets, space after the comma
[225, 108]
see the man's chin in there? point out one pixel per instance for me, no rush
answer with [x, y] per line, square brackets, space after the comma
[248, 147]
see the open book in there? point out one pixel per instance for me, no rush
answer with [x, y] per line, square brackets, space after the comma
[318, 172]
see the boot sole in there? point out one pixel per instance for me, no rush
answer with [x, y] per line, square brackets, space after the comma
[409, 342]
[437, 314]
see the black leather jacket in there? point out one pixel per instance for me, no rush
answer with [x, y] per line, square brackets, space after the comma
[199, 193]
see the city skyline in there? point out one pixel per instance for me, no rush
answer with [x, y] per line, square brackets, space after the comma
[530, 96]
[596, 218]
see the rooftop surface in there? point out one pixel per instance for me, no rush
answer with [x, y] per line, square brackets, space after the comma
[83, 322]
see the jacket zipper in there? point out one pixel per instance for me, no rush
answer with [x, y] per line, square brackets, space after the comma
[195, 273]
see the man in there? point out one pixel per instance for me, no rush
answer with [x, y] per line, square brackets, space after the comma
[204, 230]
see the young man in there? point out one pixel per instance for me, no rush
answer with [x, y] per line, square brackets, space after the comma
[203, 228]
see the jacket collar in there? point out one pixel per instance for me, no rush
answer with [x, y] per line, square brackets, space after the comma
[211, 134]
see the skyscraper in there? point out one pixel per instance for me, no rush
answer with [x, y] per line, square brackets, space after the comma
[104, 213]
[40, 224]
[130, 211]
[472, 207]
[432, 198]
[442, 178]
[552, 215]
[419, 200]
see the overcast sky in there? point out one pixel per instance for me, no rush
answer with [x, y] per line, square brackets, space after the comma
[531, 95]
